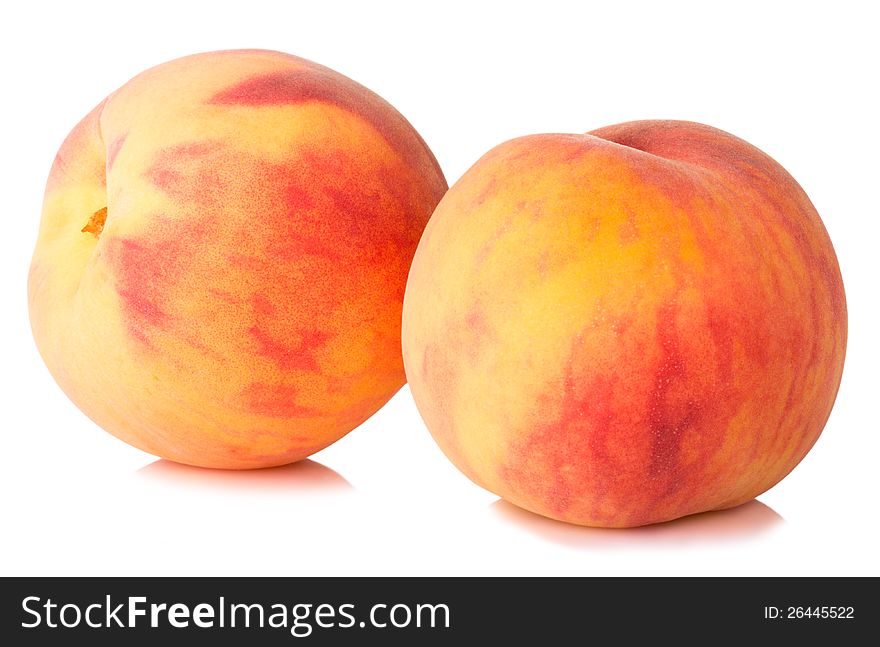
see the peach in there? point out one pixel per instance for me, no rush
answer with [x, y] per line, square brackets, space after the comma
[222, 256]
[627, 326]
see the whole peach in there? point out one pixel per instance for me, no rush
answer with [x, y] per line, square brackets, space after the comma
[222, 257]
[625, 327]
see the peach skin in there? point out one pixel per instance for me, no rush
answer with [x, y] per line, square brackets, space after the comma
[625, 327]
[222, 257]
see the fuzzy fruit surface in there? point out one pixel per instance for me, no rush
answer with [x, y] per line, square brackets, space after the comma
[222, 257]
[627, 326]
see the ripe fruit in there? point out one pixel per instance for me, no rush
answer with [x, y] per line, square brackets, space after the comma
[625, 327]
[222, 257]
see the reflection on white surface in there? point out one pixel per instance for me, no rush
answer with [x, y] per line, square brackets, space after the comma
[736, 524]
[305, 475]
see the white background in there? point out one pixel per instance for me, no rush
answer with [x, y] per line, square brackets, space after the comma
[797, 80]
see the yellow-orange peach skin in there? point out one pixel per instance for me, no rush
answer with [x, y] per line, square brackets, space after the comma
[625, 327]
[222, 256]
